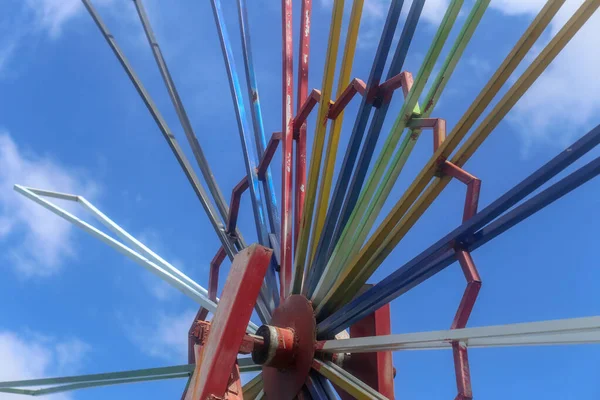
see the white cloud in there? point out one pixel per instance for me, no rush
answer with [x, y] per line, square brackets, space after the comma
[518, 7]
[22, 26]
[27, 357]
[51, 15]
[375, 12]
[562, 104]
[43, 240]
[433, 10]
[169, 333]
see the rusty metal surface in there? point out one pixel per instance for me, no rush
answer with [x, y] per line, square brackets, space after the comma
[287, 76]
[295, 313]
[219, 355]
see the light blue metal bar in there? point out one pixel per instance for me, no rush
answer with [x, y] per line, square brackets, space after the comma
[257, 121]
[250, 158]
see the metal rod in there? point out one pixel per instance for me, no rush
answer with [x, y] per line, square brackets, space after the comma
[250, 157]
[303, 57]
[197, 151]
[107, 376]
[472, 234]
[383, 103]
[562, 331]
[87, 385]
[257, 120]
[174, 277]
[209, 208]
[335, 265]
[287, 131]
[324, 189]
[138, 246]
[302, 252]
[358, 130]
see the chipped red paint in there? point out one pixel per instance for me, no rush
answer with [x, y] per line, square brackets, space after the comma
[234, 206]
[285, 274]
[268, 155]
[467, 302]
[219, 355]
[295, 313]
[306, 108]
[300, 130]
[473, 187]
[462, 372]
[470, 295]
[437, 124]
[354, 87]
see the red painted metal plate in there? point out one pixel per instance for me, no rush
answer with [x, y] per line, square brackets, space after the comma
[296, 313]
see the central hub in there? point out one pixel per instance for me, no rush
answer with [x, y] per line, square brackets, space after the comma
[278, 349]
[289, 348]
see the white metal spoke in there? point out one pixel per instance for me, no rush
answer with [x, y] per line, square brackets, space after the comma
[556, 332]
[157, 265]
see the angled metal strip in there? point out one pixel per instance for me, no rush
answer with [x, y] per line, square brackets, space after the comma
[137, 373]
[171, 278]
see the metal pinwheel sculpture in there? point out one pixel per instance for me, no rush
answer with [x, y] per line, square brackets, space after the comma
[326, 333]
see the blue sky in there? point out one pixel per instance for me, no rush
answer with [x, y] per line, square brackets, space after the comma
[71, 121]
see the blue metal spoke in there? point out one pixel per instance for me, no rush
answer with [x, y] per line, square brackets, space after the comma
[257, 121]
[358, 131]
[250, 157]
[441, 254]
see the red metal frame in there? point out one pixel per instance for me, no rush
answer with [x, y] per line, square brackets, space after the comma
[437, 124]
[217, 359]
[261, 170]
[306, 108]
[213, 285]
[459, 350]
[234, 205]
[285, 272]
[355, 86]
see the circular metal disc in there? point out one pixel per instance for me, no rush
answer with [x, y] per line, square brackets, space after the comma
[296, 313]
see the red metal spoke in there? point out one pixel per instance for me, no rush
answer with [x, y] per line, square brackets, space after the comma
[285, 272]
[300, 129]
